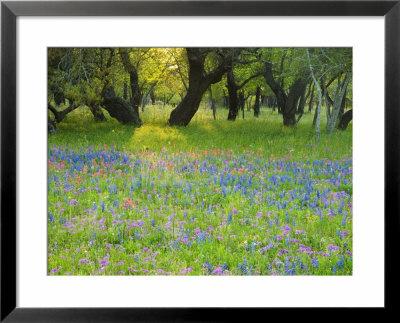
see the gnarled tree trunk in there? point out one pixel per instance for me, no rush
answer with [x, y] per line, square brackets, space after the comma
[60, 115]
[97, 114]
[120, 109]
[302, 102]
[59, 97]
[133, 80]
[199, 82]
[337, 103]
[236, 100]
[290, 107]
[287, 103]
[342, 107]
[345, 120]
[185, 110]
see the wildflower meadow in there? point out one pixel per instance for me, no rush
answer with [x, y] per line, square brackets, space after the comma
[200, 161]
[154, 205]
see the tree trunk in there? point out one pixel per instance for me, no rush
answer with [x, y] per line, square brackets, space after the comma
[311, 102]
[317, 116]
[212, 103]
[136, 96]
[226, 99]
[345, 120]
[289, 111]
[328, 100]
[257, 103]
[339, 97]
[198, 84]
[125, 95]
[144, 99]
[60, 115]
[152, 97]
[342, 107]
[51, 126]
[248, 103]
[242, 102]
[314, 118]
[188, 107]
[236, 100]
[287, 104]
[302, 102]
[120, 109]
[97, 114]
[133, 79]
[300, 107]
[168, 99]
[59, 97]
[233, 97]
[269, 101]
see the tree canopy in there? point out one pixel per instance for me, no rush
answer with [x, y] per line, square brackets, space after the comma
[122, 81]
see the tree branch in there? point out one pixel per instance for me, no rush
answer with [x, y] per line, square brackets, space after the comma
[249, 79]
[269, 77]
[216, 75]
[126, 61]
[60, 115]
[240, 61]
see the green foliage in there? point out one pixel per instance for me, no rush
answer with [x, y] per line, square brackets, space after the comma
[82, 73]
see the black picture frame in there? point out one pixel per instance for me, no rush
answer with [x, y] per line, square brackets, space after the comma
[10, 10]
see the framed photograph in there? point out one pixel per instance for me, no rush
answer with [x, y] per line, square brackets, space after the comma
[197, 159]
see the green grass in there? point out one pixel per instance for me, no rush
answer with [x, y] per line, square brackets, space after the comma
[86, 189]
[266, 133]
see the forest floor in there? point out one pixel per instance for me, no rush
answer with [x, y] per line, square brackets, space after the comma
[249, 197]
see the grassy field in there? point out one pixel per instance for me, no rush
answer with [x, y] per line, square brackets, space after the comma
[248, 197]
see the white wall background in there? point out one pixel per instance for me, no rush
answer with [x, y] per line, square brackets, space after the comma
[364, 288]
